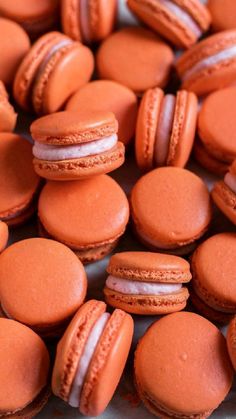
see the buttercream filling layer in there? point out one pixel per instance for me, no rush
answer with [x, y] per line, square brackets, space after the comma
[84, 21]
[183, 16]
[53, 153]
[224, 55]
[127, 286]
[230, 181]
[164, 129]
[84, 362]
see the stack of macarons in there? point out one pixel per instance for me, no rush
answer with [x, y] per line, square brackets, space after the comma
[100, 117]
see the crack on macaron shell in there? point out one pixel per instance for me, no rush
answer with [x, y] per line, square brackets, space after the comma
[51, 152]
[164, 129]
[86, 358]
[126, 286]
[230, 181]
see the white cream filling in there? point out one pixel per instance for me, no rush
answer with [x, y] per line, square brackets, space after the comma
[84, 362]
[126, 286]
[53, 153]
[230, 181]
[182, 15]
[210, 61]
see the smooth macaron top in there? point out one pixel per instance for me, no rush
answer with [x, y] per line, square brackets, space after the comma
[135, 57]
[214, 270]
[24, 366]
[42, 282]
[171, 206]
[222, 14]
[107, 95]
[168, 360]
[151, 267]
[27, 10]
[217, 124]
[19, 182]
[14, 46]
[84, 213]
[65, 128]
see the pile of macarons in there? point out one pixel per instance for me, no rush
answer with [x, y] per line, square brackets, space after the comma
[117, 146]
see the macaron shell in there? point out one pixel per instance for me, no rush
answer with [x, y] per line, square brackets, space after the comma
[184, 127]
[71, 345]
[150, 267]
[183, 343]
[147, 304]
[207, 161]
[102, 18]
[225, 199]
[68, 70]
[217, 125]
[107, 364]
[146, 127]
[70, 14]
[83, 168]
[136, 58]
[223, 14]
[4, 234]
[7, 114]
[33, 408]
[231, 341]
[107, 95]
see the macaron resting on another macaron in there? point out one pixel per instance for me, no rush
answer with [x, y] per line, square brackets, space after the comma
[91, 357]
[8, 115]
[88, 21]
[181, 22]
[209, 65]
[88, 215]
[165, 129]
[224, 194]
[147, 283]
[72, 146]
[55, 67]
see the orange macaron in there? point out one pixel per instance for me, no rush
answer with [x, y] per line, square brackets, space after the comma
[19, 184]
[158, 223]
[35, 16]
[165, 129]
[214, 270]
[216, 130]
[231, 341]
[222, 14]
[147, 283]
[110, 96]
[224, 194]
[209, 65]
[24, 371]
[136, 58]
[14, 45]
[42, 285]
[8, 115]
[71, 146]
[88, 21]
[91, 357]
[4, 235]
[55, 67]
[89, 215]
[167, 363]
[181, 22]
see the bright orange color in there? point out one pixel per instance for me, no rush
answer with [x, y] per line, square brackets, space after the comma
[7, 114]
[4, 234]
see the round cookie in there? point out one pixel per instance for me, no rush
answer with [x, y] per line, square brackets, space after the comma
[207, 161]
[7, 113]
[222, 14]
[180, 22]
[147, 283]
[213, 270]
[231, 341]
[135, 57]
[88, 21]
[35, 16]
[42, 284]
[14, 45]
[209, 65]
[107, 95]
[165, 129]
[72, 146]
[24, 370]
[19, 183]
[161, 225]
[89, 216]
[167, 363]
[224, 194]
[55, 67]
[4, 234]
[91, 357]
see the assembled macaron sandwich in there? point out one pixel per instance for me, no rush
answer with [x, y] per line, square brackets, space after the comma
[224, 194]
